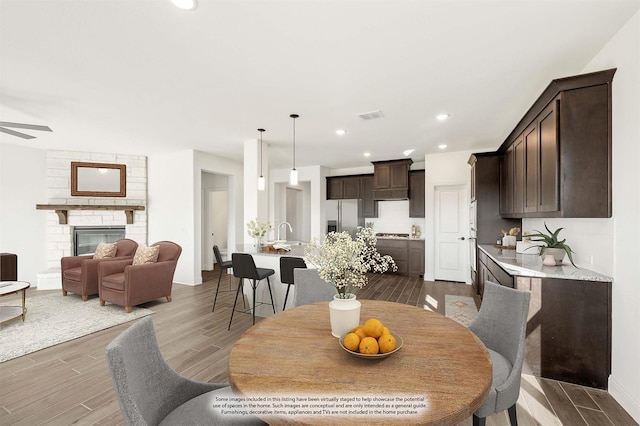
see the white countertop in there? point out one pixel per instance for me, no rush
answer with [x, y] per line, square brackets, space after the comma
[295, 250]
[530, 265]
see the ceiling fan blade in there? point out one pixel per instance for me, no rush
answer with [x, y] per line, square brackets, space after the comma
[25, 126]
[18, 134]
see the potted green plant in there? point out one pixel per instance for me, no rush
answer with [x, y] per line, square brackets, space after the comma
[553, 246]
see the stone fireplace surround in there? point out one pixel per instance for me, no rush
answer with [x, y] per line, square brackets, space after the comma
[59, 238]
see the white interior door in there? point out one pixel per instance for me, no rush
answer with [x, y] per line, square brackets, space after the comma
[451, 226]
[218, 215]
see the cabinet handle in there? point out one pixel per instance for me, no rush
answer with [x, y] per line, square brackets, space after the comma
[461, 238]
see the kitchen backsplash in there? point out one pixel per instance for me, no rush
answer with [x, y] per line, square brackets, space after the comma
[590, 239]
[393, 217]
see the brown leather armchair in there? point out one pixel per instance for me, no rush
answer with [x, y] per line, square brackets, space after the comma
[80, 273]
[124, 284]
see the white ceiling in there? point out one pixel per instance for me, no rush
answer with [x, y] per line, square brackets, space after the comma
[143, 77]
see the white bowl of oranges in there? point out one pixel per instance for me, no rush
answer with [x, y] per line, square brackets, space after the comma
[371, 340]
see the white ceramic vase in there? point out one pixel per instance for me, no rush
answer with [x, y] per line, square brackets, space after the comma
[557, 255]
[344, 314]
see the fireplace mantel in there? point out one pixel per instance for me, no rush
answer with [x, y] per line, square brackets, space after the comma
[63, 209]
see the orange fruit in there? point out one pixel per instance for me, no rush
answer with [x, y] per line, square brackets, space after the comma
[351, 341]
[359, 331]
[368, 345]
[373, 328]
[387, 343]
[385, 330]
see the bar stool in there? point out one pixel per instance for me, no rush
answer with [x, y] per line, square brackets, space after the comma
[224, 265]
[244, 267]
[287, 265]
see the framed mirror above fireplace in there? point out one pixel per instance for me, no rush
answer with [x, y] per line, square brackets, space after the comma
[98, 179]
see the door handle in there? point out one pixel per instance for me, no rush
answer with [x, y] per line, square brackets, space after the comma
[461, 238]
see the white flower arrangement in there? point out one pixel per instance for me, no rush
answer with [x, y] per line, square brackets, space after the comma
[258, 229]
[344, 262]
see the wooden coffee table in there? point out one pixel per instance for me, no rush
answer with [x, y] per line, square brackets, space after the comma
[293, 355]
[9, 313]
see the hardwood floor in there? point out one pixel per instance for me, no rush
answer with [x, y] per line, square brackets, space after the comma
[70, 383]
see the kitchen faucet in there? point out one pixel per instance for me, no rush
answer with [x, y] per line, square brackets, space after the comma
[284, 223]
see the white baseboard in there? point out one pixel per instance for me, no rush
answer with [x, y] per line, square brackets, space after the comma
[49, 280]
[624, 398]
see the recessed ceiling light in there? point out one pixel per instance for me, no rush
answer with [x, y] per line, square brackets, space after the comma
[185, 4]
[442, 117]
[442, 146]
[367, 154]
[408, 152]
[341, 132]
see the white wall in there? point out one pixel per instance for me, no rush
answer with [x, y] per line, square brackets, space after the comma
[175, 205]
[22, 227]
[620, 235]
[171, 213]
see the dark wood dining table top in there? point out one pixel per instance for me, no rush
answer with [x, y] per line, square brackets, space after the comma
[293, 354]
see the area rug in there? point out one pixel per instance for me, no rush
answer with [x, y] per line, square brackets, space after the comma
[460, 308]
[53, 319]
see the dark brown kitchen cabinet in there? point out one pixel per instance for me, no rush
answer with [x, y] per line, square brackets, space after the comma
[490, 271]
[408, 254]
[548, 167]
[519, 173]
[568, 334]
[416, 193]
[369, 204]
[531, 145]
[335, 188]
[416, 257]
[391, 179]
[343, 188]
[557, 161]
[398, 249]
[506, 181]
[485, 172]
[351, 188]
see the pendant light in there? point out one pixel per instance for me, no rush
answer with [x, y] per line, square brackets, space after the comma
[293, 176]
[261, 182]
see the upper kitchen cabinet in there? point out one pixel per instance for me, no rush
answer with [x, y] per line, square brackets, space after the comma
[485, 185]
[557, 161]
[391, 179]
[416, 193]
[369, 204]
[343, 188]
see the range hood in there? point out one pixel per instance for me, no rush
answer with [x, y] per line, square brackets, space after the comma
[391, 179]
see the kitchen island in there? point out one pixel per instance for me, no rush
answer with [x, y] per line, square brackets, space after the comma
[271, 260]
[569, 321]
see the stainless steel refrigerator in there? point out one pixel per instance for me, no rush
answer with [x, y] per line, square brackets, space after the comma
[347, 214]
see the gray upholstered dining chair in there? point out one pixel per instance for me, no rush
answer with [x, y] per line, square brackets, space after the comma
[152, 393]
[501, 325]
[310, 288]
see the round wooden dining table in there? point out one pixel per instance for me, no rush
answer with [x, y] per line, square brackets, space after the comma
[293, 371]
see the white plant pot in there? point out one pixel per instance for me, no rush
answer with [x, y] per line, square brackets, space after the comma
[344, 314]
[558, 254]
